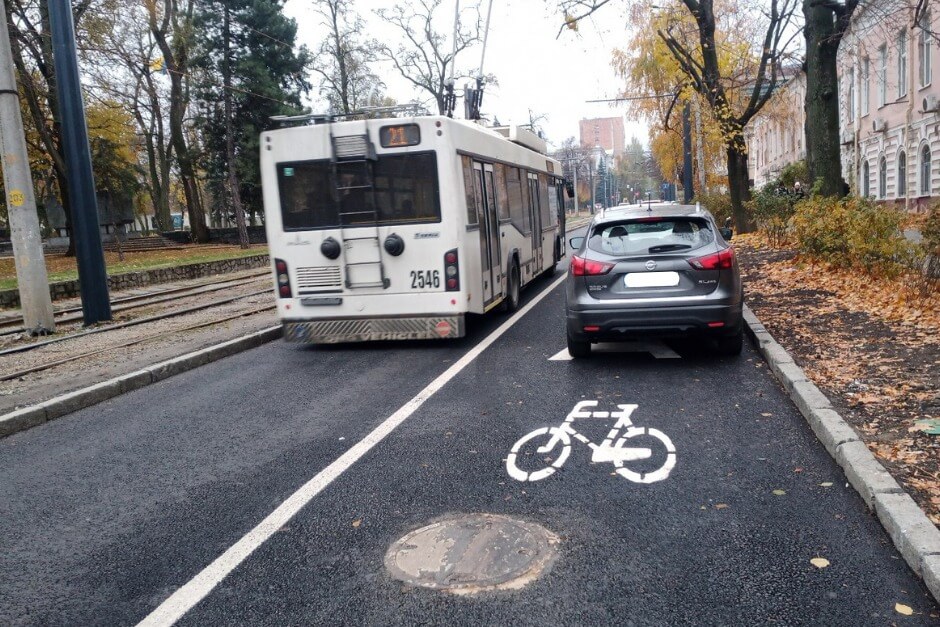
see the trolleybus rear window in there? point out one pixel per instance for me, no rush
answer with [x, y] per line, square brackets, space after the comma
[405, 189]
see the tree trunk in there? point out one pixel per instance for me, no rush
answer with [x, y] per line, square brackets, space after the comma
[174, 58]
[823, 157]
[233, 191]
[738, 185]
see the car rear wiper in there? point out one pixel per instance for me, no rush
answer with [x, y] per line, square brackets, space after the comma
[667, 247]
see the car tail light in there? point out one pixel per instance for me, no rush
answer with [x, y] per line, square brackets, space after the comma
[451, 271]
[722, 260]
[587, 267]
[282, 278]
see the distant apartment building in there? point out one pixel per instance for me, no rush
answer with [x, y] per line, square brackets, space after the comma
[608, 133]
[776, 135]
[889, 96]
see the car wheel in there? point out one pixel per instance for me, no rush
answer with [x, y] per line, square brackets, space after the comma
[578, 349]
[511, 302]
[731, 345]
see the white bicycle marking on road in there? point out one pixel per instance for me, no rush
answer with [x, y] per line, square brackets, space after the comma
[613, 449]
[656, 349]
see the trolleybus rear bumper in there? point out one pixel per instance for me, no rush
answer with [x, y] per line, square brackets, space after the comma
[336, 330]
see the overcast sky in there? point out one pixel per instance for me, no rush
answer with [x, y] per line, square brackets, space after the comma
[551, 76]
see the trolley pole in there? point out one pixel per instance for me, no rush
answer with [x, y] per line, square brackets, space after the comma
[31, 277]
[92, 275]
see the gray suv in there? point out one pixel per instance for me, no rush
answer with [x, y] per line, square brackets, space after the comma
[653, 270]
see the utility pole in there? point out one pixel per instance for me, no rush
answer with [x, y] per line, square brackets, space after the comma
[96, 306]
[31, 278]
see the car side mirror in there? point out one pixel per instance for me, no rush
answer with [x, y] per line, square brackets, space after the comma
[726, 233]
[576, 242]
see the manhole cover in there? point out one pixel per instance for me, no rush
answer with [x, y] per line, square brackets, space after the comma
[472, 553]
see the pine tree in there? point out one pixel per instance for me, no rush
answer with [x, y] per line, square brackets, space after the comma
[267, 77]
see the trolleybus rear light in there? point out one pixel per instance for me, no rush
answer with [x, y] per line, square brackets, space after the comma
[451, 271]
[283, 279]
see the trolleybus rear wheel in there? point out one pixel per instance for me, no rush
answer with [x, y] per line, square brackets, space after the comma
[511, 302]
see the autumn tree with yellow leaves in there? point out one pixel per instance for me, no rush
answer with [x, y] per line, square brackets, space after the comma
[732, 57]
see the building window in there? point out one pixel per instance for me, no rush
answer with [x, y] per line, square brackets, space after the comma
[902, 64]
[882, 75]
[925, 171]
[902, 174]
[866, 177]
[864, 90]
[923, 49]
[883, 178]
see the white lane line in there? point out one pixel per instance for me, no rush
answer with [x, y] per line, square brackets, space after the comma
[562, 355]
[186, 597]
[656, 349]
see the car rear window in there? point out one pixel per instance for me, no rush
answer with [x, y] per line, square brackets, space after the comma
[646, 236]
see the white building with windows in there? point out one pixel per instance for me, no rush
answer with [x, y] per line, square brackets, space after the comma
[776, 136]
[889, 97]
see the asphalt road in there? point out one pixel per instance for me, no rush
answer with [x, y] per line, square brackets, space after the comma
[106, 513]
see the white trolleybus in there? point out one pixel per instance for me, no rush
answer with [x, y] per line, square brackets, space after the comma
[396, 228]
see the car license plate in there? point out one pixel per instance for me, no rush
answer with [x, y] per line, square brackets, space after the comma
[651, 279]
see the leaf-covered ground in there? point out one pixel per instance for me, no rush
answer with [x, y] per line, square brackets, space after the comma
[872, 344]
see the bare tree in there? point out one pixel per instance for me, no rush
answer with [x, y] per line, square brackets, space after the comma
[171, 26]
[734, 95]
[342, 61]
[424, 55]
[128, 69]
[734, 105]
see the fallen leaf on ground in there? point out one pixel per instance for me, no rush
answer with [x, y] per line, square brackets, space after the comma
[900, 608]
[780, 492]
[356, 523]
[819, 562]
[721, 505]
[826, 484]
[766, 414]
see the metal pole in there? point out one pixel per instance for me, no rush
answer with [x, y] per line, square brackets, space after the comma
[575, 173]
[31, 278]
[92, 274]
[686, 154]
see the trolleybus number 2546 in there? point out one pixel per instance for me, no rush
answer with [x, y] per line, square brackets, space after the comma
[400, 239]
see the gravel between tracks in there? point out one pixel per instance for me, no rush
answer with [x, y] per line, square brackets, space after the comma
[41, 386]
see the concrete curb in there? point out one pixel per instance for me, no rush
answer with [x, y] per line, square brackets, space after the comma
[914, 535]
[27, 417]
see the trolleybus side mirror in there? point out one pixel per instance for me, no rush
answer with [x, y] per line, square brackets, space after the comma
[576, 242]
[569, 189]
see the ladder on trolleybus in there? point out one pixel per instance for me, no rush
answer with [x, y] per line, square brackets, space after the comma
[352, 162]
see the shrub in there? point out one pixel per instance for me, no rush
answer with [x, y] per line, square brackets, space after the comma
[852, 232]
[792, 173]
[718, 204]
[772, 212]
[931, 230]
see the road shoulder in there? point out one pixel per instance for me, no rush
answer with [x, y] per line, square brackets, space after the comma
[914, 535]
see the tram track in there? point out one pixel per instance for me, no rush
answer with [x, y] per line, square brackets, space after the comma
[67, 315]
[134, 342]
[130, 323]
